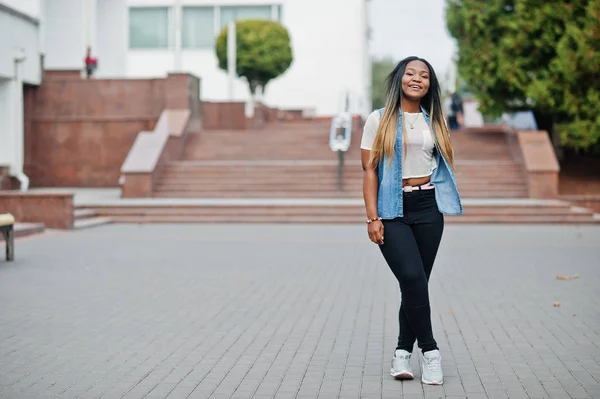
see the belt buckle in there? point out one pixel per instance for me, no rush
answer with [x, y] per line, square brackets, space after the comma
[407, 189]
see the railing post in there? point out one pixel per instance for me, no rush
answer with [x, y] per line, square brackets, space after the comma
[340, 170]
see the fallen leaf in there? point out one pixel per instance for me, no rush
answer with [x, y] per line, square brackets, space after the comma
[563, 277]
[556, 304]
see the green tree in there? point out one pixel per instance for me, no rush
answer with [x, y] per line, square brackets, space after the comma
[380, 69]
[534, 55]
[263, 51]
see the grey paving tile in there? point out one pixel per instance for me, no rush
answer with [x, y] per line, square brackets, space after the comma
[263, 311]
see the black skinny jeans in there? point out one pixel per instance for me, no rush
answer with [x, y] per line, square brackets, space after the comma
[410, 245]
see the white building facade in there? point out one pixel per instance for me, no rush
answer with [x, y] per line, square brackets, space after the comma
[329, 44]
[150, 38]
[20, 63]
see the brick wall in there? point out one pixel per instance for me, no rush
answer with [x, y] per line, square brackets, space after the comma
[54, 210]
[5, 181]
[232, 116]
[223, 115]
[78, 132]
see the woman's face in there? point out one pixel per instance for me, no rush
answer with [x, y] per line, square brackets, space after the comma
[415, 82]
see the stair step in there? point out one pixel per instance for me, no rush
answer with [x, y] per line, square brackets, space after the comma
[83, 213]
[266, 170]
[328, 163]
[261, 211]
[91, 222]
[26, 229]
[329, 192]
[320, 175]
[314, 194]
[317, 173]
[331, 159]
[201, 184]
[327, 211]
[237, 211]
[239, 219]
[344, 219]
[325, 176]
[524, 219]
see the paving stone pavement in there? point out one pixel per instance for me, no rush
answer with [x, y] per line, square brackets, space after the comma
[293, 311]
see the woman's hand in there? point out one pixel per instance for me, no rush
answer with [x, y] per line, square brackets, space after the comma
[376, 232]
[370, 184]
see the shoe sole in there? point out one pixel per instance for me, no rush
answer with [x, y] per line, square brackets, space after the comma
[432, 382]
[403, 375]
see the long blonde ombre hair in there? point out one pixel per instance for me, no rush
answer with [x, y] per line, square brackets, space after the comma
[385, 138]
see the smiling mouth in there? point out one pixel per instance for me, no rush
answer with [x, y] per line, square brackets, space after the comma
[415, 87]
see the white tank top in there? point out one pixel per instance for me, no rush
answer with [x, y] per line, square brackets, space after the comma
[419, 160]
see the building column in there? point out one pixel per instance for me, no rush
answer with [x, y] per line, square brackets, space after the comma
[6, 155]
[112, 38]
[177, 17]
[88, 9]
[69, 27]
[364, 104]
[12, 137]
[18, 123]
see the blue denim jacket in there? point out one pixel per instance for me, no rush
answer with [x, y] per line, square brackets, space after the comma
[389, 198]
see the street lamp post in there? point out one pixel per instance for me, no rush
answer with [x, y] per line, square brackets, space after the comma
[231, 57]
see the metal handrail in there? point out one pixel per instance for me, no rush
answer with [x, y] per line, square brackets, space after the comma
[340, 137]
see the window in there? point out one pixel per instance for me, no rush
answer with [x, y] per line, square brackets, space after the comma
[278, 15]
[148, 27]
[198, 27]
[244, 12]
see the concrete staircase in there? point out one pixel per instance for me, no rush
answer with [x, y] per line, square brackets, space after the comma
[485, 167]
[318, 179]
[283, 160]
[258, 179]
[86, 217]
[286, 173]
[293, 160]
[247, 210]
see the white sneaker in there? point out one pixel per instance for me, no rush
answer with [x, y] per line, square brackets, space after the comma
[401, 365]
[431, 368]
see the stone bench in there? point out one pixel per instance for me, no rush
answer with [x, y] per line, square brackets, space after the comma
[7, 228]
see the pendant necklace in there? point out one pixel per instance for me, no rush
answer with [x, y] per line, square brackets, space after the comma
[413, 122]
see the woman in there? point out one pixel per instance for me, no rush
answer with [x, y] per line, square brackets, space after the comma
[408, 184]
[456, 112]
